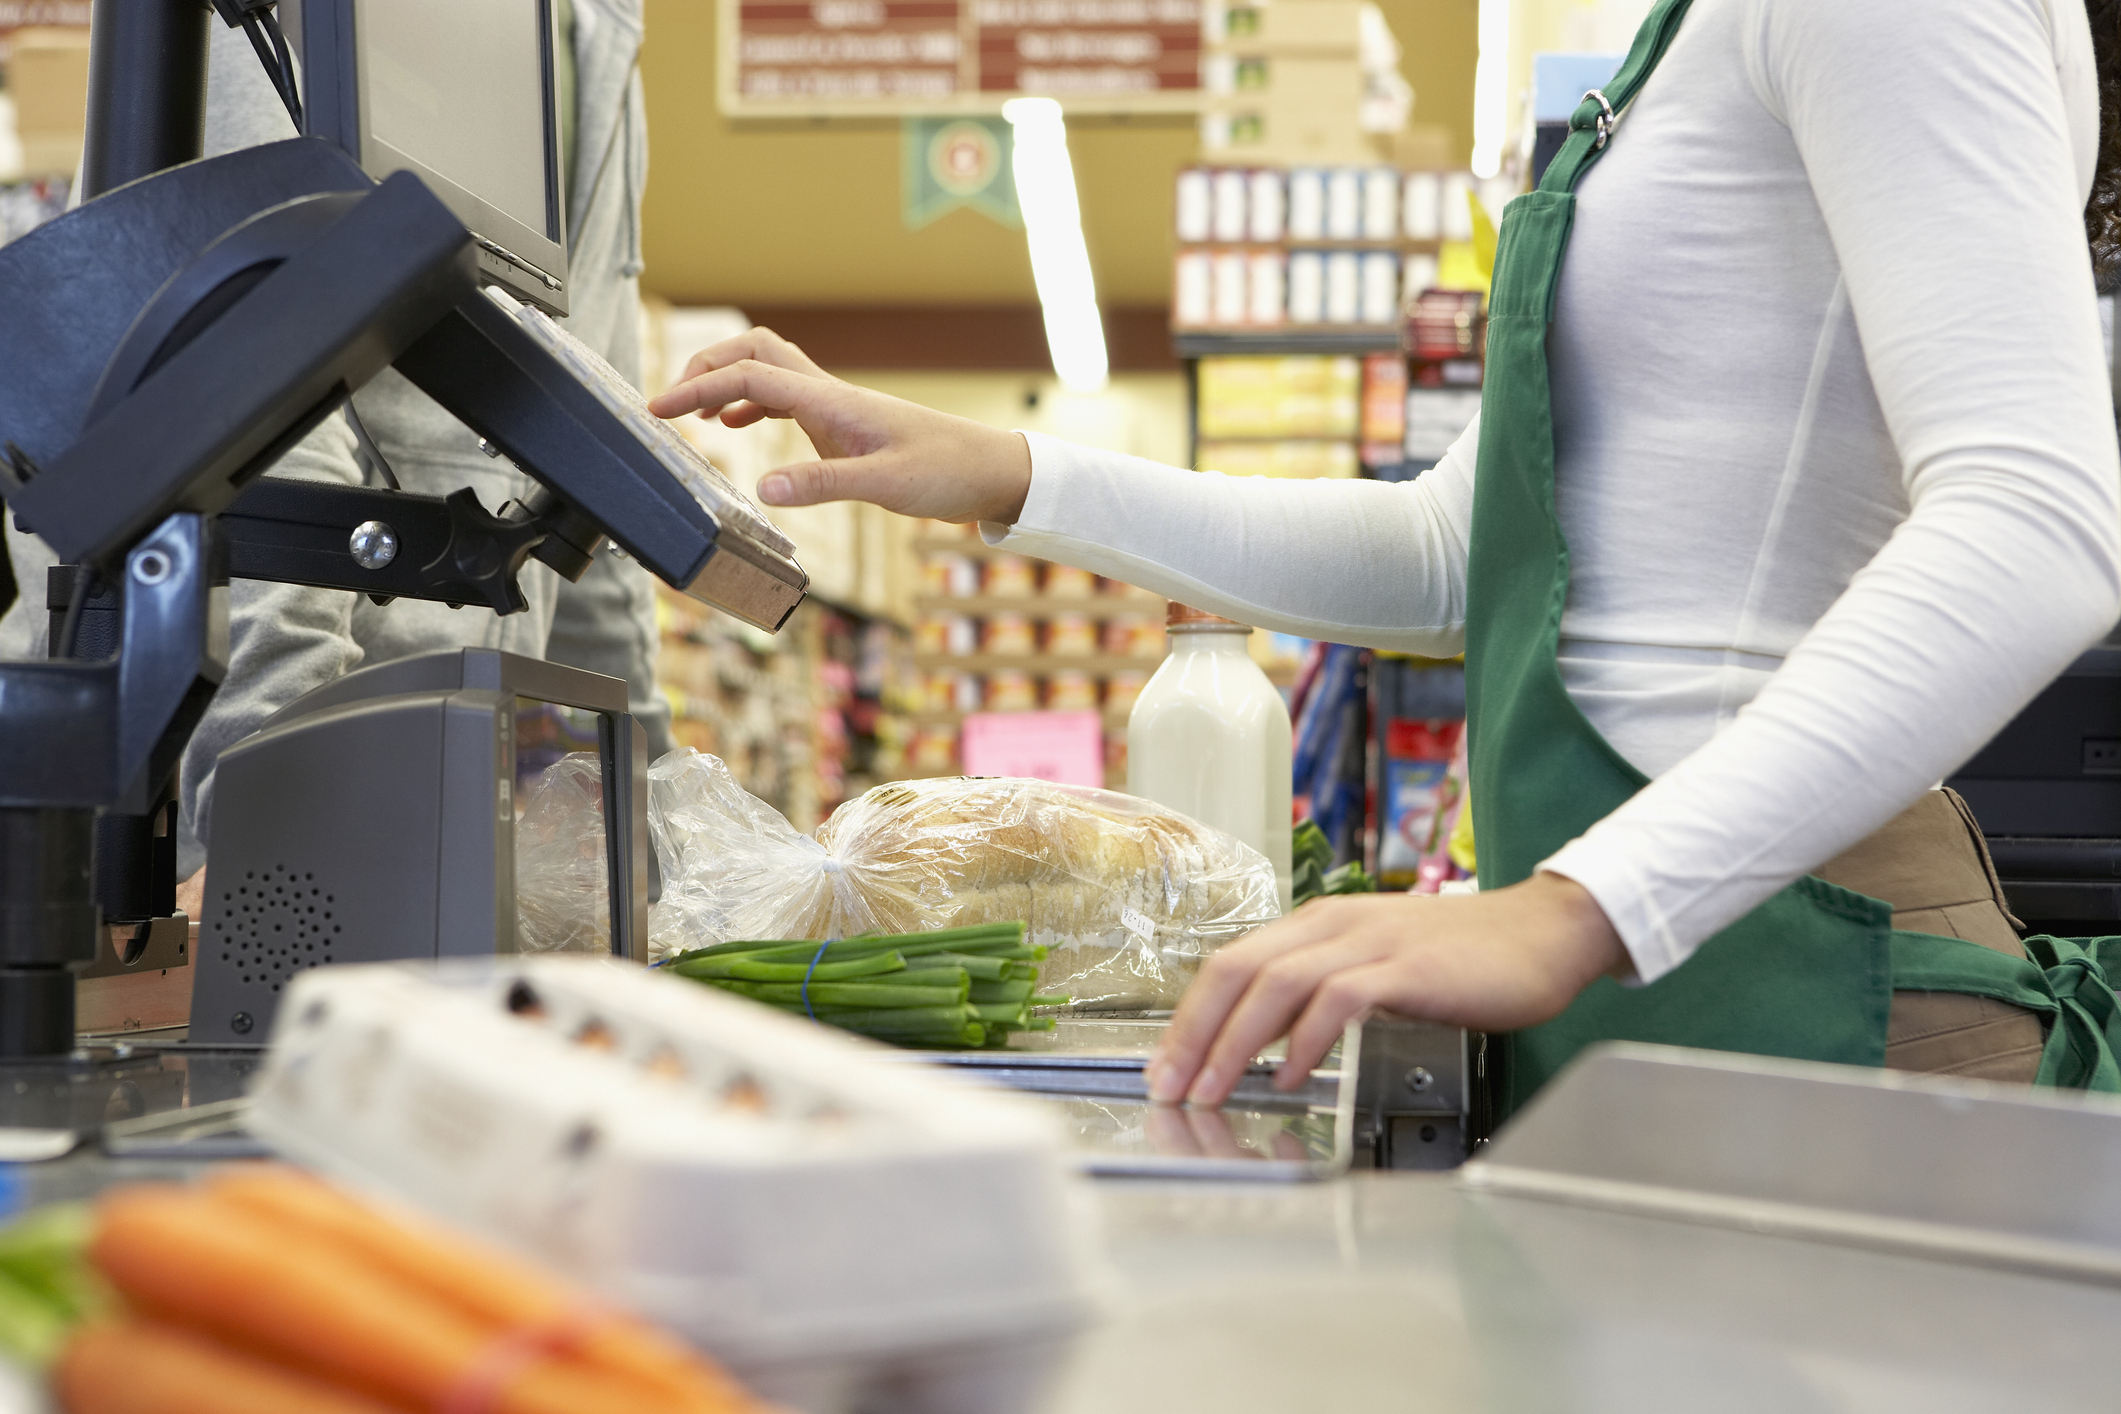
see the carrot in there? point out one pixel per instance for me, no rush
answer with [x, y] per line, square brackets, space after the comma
[486, 1284]
[305, 1301]
[141, 1367]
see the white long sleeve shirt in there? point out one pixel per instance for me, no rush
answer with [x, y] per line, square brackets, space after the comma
[1834, 447]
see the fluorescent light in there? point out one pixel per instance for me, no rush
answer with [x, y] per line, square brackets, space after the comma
[1053, 227]
[1491, 88]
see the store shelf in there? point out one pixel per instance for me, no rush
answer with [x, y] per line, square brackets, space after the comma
[1096, 664]
[1044, 606]
[1305, 339]
[1115, 717]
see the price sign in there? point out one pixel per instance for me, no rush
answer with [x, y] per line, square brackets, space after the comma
[826, 58]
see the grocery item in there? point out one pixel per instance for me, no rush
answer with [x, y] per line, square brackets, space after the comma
[1009, 633]
[945, 633]
[1420, 796]
[563, 876]
[1313, 873]
[1209, 737]
[265, 1289]
[1124, 689]
[1011, 690]
[1011, 576]
[782, 1194]
[945, 989]
[1126, 896]
[1071, 690]
[1071, 634]
[1068, 582]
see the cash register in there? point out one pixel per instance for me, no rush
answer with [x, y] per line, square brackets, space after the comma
[193, 319]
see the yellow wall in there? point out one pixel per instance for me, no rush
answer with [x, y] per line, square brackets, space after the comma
[809, 213]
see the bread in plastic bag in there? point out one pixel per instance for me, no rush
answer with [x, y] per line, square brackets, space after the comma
[1126, 895]
[563, 875]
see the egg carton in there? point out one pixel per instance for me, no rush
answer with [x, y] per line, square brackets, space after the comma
[783, 1195]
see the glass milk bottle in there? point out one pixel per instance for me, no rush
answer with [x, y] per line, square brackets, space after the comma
[1209, 737]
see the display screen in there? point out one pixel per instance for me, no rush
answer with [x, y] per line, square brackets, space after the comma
[460, 89]
[563, 864]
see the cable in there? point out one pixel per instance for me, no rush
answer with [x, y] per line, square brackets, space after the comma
[293, 94]
[371, 454]
[272, 53]
[70, 626]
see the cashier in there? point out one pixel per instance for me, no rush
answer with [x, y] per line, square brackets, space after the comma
[1795, 479]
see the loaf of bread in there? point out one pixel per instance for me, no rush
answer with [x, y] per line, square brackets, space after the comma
[1127, 895]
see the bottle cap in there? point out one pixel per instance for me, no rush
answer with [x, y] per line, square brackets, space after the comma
[1184, 616]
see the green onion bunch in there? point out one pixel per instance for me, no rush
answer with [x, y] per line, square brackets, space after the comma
[952, 988]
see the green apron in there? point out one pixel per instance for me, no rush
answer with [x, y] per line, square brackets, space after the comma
[1810, 973]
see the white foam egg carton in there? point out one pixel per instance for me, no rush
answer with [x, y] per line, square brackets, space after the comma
[777, 1192]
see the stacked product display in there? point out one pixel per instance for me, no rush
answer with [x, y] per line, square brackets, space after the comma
[1314, 248]
[998, 632]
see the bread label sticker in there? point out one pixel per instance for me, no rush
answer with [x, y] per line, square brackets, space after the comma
[1137, 922]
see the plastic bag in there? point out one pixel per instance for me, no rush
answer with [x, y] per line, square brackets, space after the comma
[1128, 896]
[563, 875]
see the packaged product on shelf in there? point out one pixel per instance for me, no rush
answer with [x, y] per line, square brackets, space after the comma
[1343, 287]
[1231, 194]
[1071, 690]
[1134, 638]
[1194, 205]
[1193, 289]
[954, 576]
[1379, 297]
[1307, 205]
[1421, 206]
[931, 750]
[1343, 204]
[1417, 274]
[1455, 222]
[1009, 576]
[1126, 896]
[1123, 688]
[1008, 633]
[1307, 287]
[1380, 204]
[1071, 635]
[1444, 324]
[1421, 799]
[946, 690]
[945, 633]
[1230, 288]
[1267, 287]
[1268, 209]
[1011, 690]
[1068, 582]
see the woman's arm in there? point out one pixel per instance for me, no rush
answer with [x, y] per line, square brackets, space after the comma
[1376, 564]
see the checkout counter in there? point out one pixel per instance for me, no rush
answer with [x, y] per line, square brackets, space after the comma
[1660, 1231]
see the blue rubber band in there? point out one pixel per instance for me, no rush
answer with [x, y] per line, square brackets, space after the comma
[815, 958]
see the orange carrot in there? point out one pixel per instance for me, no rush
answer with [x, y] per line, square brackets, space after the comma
[141, 1367]
[306, 1302]
[486, 1284]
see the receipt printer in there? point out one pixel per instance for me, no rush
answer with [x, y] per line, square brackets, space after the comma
[378, 818]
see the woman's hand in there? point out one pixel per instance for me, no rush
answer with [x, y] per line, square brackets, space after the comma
[903, 457]
[1493, 962]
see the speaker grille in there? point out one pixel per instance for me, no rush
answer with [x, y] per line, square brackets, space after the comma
[275, 922]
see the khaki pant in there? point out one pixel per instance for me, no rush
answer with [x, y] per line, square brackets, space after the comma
[1931, 864]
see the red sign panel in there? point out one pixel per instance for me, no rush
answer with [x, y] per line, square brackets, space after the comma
[942, 56]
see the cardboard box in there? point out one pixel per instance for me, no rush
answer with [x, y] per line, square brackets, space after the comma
[1291, 27]
[47, 76]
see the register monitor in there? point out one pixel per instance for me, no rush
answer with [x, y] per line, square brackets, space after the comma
[381, 817]
[461, 94]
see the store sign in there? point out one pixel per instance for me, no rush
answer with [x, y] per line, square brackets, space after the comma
[849, 57]
[953, 162]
